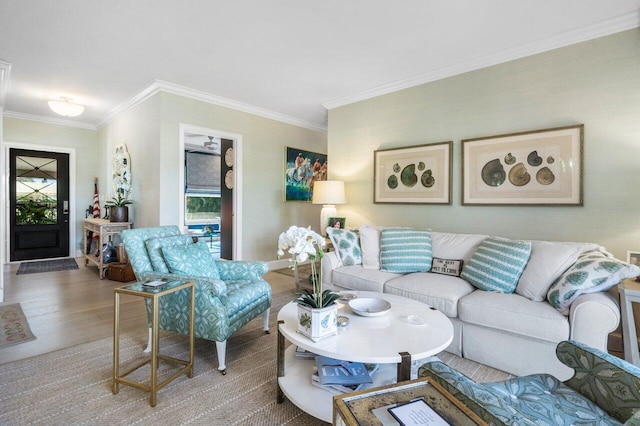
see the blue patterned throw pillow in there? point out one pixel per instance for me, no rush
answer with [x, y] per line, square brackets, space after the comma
[154, 249]
[347, 245]
[193, 259]
[404, 250]
[497, 264]
[593, 272]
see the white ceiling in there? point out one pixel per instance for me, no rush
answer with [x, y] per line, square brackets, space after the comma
[288, 59]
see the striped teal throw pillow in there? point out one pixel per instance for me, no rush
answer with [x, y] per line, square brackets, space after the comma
[404, 250]
[497, 264]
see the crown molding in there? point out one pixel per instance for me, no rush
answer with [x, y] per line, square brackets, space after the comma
[49, 120]
[166, 87]
[5, 71]
[600, 29]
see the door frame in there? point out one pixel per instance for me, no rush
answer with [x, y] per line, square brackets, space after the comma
[237, 177]
[6, 145]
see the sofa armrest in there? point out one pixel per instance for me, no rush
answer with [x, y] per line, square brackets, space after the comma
[473, 395]
[592, 317]
[241, 270]
[217, 288]
[329, 262]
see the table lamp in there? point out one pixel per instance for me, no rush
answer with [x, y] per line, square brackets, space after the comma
[328, 193]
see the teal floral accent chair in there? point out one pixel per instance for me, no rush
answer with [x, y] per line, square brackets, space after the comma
[604, 390]
[228, 294]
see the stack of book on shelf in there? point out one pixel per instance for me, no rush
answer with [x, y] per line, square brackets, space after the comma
[338, 377]
[304, 354]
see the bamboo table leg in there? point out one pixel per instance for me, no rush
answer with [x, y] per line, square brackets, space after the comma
[155, 328]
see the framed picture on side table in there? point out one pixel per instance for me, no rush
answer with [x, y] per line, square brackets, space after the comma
[541, 167]
[337, 222]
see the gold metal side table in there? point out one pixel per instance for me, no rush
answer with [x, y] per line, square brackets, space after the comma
[137, 289]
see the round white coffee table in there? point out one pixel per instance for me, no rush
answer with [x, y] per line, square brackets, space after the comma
[379, 340]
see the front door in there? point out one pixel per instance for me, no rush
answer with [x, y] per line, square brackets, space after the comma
[39, 204]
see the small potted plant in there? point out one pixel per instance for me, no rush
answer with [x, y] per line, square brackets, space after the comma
[118, 210]
[317, 309]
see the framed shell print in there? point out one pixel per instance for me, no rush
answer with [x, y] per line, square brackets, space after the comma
[541, 167]
[413, 175]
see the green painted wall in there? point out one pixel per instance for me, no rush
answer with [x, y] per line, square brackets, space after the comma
[596, 83]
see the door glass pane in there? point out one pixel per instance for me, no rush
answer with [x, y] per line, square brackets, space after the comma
[36, 191]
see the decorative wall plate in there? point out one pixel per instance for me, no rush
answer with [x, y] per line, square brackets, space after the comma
[228, 157]
[228, 179]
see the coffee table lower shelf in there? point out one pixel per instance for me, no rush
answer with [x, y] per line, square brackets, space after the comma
[296, 385]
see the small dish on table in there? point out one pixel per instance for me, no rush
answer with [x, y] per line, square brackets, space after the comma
[369, 306]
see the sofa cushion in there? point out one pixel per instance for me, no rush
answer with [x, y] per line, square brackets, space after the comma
[515, 314]
[497, 264]
[593, 272]
[404, 250]
[358, 278]
[154, 249]
[346, 244]
[439, 291]
[193, 259]
[370, 246]
[547, 262]
[447, 245]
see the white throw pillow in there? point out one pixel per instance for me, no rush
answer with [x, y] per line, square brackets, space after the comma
[370, 246]
[547, 262]
[448, 245]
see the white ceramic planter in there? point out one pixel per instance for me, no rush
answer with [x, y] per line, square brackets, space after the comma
[318, 323]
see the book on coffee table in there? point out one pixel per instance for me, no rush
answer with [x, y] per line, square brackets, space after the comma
[333, 371]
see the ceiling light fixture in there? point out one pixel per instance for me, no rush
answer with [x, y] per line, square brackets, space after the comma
[66, 107]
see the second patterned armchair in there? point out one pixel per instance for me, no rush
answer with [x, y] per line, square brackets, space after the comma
[228, 294]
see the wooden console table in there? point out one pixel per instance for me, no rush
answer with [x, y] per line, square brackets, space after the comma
[106, 230]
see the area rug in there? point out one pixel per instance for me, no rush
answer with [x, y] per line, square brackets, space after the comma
[14, 328]
[73, 385]
[47, 266]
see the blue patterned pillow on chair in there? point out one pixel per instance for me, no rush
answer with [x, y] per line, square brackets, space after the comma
[193, 259]
[497, 264]
[154, 249]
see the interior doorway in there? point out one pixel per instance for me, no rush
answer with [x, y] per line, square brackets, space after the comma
[39, 205]
[209, 191]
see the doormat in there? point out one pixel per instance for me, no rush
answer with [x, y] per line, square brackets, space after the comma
[14, 327]
[47, 266]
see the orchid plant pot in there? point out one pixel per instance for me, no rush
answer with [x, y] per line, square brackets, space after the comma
[318, 323]
[119, 214]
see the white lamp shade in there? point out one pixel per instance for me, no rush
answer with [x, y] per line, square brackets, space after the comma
[66, 108]
[329, 192]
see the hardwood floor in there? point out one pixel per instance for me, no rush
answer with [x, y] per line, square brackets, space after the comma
[68, 308]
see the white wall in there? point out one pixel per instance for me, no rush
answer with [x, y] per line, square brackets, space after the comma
[152, 133]
[596, 83]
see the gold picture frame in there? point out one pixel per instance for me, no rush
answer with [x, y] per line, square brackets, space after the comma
[540, 167]
[413, 175]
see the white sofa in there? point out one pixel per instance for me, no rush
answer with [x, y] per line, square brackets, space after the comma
[510, 332]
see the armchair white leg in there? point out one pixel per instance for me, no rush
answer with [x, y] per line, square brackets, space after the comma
[148, 348]
[265, 320]
[221, 348]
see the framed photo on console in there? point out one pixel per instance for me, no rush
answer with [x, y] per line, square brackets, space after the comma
[541, 167]
[413, 175]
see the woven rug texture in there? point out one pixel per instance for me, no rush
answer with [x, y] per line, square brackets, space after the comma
[47, 266]
[14, 328]
[72, 386]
